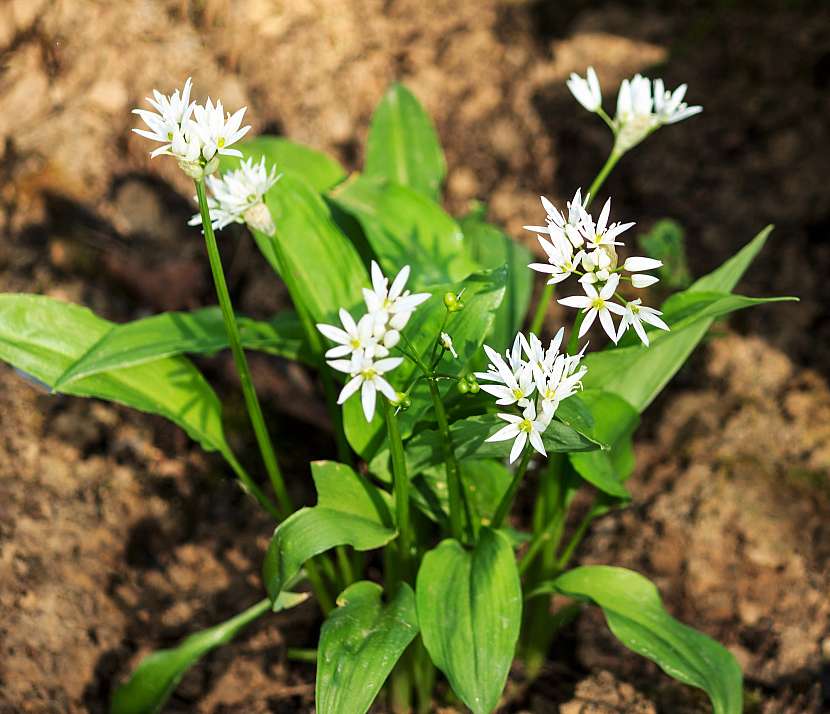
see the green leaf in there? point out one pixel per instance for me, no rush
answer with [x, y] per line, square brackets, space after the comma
[319, 265]
[349, 511]
[665, 241]
[403, 146]
[469, 437]
[320, 170]
[404, 227]
[491, 248]
[636, 616]
[175, 333]
[483, 293]
[486, 481]
[360, 642]
[639, 373]
[470, 611]
[614, 422]
[158, 674]
[44, 337]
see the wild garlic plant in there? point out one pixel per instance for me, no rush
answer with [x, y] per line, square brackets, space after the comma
[462, 438]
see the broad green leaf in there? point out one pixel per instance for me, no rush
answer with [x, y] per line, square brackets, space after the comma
[639, 373]
[486, 481]
[470, 610]
[349, 511]
[614, 422]
[320, 170]
[666, 242]
[43, 337]
[469, 437]
[158, 674]
[491, 248]
[403, 146]
[175, 333]
[636, 616]
[319, 265]
[483, 293]
[360, 642]
[404, 227]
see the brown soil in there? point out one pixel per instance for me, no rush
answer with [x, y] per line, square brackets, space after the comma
[118, 536]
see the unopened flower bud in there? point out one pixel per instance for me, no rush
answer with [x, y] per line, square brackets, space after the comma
[391, 338]
[452, 301]
[463, 386]
[259, 218]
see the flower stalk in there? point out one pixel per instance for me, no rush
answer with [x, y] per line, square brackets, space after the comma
[507, 499]
[251, 401]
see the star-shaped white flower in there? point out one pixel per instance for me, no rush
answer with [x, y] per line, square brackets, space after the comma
[595, 304]
[366, 375]
[635, 314]
[560, 382]
[513, 384]
[353, 337]
[522, 428]
[562, 262]
[557, 223]
[669, 107]
[216, 130]
[601, 233]
[171, 113]
[391, 305]
[586, 90]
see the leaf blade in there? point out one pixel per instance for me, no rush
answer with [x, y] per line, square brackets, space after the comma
[360, 642]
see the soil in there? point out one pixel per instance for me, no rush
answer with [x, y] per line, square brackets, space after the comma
[118, 536]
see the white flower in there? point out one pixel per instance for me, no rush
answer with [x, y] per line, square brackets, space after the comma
[639, 112]
[366, 375]
[541, 360]
[216, 130]
[353, 337]
[601, 233]
[513, 384]
[172, 112]
[635, 314]
[391, 306]
[522, 428]
[595, 304]
[560, 382]
[446, 343]
[561, 259]
[669, 106]
[192, 133]
[558, 224]
[237, 197]
[586, 91]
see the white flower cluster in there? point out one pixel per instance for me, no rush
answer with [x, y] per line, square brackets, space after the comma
[194, 134]
[579, 246]
[237, 197]
[642, 106]
[534, 378]
[362, 350]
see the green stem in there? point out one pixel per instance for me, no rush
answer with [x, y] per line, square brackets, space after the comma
[550, 535]
[609, 164]
[510, 494]
[576, 539]
[301, 654]
[573, 340]
[400, 487]
[315, 345]
[542, 308]
[454, 486]
[251, 401]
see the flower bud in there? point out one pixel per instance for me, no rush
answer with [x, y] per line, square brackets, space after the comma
[259, 218]
[463, 386]
[452, 302]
